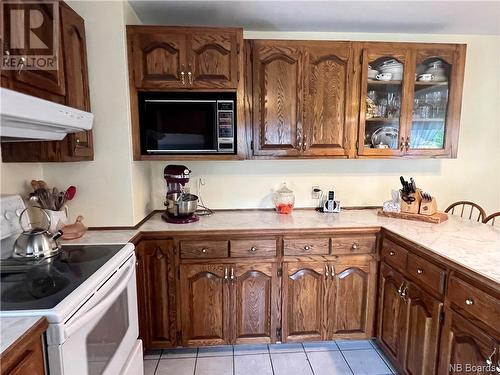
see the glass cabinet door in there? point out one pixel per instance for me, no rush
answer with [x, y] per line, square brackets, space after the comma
[430, 107]
[382, 103]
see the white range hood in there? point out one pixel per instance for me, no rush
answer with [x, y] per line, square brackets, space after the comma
[25, 117]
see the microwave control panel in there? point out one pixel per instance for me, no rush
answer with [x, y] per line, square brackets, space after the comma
[225, 125]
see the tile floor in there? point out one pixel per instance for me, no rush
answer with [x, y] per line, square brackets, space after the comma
[350, 357]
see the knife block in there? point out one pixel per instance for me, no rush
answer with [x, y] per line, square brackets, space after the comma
[412, 207]
[428, 208]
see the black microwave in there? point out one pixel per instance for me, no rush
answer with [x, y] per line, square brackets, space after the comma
[187, 123]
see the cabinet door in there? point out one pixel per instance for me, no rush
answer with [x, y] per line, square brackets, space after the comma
[256, 305]
[384, 92]
[277, 98]
[350, 303]
[213, 59]
[465, 348]
[437, 95]
[391, 312]
[77, 84]
[329, 122]
[204, 304]
[47, 81]
[156, 293]
[422, 332]
[304, 301]
[159, 58]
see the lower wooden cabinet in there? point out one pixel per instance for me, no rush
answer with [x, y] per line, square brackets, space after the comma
[228, 303]
[408, 323]
[156, 293]
[26, 355]
[327, 300]
[256, 305]
[467, 349]
[304, 301]
[391, 312]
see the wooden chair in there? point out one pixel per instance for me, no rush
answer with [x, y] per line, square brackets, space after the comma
[468, 210]
[491, 219]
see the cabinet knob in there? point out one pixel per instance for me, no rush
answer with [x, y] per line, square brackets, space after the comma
[420, 271]
[469, 301]
[306, 248]
[183, 78]
[326, 271]
[203, 250]
[354, 246]
[190, 78]
[392, 253]
[332, 271]
[253, 248]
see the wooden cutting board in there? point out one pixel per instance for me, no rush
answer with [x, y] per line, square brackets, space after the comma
[437, 218]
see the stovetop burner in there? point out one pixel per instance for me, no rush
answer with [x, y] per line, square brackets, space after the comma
[27, 284]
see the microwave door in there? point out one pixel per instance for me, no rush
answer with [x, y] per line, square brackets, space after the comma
[181, 126]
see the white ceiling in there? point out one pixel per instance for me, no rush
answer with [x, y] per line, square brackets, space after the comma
[420, 17]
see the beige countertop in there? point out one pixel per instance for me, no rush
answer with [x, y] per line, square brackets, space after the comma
[472, 245]
[14, 328]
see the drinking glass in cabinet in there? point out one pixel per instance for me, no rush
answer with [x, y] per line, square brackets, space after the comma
[383, 103]
[430, 105]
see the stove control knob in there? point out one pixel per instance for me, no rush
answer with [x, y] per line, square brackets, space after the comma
[9, 215]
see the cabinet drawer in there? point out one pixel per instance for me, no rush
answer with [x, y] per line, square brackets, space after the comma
[354, 245]
[204, 249]
[479, 304]
[394, 254]
[253, 248]
[306, 246]
[426, 273]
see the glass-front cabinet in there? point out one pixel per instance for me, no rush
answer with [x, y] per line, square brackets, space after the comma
[434, 97]
[382, 110]
[410, 99]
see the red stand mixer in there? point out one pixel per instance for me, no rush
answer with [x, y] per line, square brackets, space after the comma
[181, 206]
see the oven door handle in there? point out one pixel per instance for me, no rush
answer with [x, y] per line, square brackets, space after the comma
[105, 302]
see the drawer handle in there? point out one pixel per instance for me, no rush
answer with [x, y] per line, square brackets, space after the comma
[332, 271]
[469, 301]
[306, 248]
[203, 250]
[225, 274]
[326, 271]
[420, 271]
[354, 246]
[253, 248]
[392, 253]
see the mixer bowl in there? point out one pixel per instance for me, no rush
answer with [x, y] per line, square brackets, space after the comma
[181, 205]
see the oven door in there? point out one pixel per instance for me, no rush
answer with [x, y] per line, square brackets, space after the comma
[102, 334]
[179, 126]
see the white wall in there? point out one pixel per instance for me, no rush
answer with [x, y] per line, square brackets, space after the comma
[105, 185]
[116, 191]
[15, 177]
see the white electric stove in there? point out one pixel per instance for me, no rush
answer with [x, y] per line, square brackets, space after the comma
[88, 295]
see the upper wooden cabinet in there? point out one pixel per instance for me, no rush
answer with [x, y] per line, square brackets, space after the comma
[184, 58]
[67, 85]
[410, 99]
[301, 92]
[355, 99]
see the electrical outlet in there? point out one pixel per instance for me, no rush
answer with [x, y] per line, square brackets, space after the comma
[316, 192]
